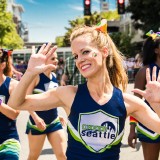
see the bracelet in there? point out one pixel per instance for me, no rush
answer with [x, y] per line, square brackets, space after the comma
[0, 102]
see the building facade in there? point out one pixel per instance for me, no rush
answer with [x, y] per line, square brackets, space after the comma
[17, 10]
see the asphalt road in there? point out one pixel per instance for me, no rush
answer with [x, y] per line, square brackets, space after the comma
[127, 153]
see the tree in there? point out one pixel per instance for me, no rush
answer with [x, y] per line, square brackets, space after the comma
[86, 20]
[8, 33]
[122, 40]
[145, 14]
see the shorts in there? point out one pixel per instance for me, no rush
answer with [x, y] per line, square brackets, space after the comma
[10, 150]
[53, 126]
[144, 138]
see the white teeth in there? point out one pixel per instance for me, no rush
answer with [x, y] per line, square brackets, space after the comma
[86, 66]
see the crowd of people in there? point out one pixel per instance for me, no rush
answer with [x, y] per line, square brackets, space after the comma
[92, 93]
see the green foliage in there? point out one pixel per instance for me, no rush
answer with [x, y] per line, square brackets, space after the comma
[8, 34]
[123, 43]
[86, 20]
[111, 15]
[145, 14]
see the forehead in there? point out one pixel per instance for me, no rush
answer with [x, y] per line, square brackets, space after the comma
[80, 42]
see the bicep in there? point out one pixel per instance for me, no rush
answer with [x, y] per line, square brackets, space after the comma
[43, 101]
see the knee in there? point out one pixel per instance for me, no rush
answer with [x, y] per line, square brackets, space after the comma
[33, 156]
[61, 156]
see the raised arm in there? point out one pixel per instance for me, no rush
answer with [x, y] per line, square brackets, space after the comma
[36, 65]
[152, 90]
[137, 108]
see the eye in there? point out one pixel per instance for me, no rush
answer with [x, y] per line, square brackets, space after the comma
[75, 57]
[54, 58]
[86, 52]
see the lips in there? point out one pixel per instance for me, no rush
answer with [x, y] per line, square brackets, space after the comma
[84, 67]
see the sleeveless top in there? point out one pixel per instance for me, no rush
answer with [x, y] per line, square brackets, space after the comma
[45, 84]
[95, 131]
[8, 127]
[140, 127]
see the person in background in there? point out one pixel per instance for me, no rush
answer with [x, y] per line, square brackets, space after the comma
[9, 138]
[137, 64]
[71, 75]
[150, 140]
[130, 69]
[44, 124]
[97, 109]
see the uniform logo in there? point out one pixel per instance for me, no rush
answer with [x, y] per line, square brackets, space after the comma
[50, 85]
[98, 129]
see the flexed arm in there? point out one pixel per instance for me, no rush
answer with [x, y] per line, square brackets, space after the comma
[36, 65]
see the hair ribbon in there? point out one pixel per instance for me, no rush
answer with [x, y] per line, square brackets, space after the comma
[102, 26]
[153, 35]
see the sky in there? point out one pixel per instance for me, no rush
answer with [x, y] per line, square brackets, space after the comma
[47, 19]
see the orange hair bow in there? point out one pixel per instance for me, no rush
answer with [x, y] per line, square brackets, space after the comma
[102, 26]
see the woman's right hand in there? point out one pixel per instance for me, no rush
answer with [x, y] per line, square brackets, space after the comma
[37, 62]
[40, 123]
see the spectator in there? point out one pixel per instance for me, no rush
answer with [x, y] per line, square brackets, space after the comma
[71, 74]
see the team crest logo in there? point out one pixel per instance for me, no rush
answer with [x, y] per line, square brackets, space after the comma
[98, 129]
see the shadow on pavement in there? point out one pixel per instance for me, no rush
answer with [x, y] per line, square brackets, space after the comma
[47, 151]
[138, 145]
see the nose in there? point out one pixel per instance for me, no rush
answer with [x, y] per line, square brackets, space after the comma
[80, 59]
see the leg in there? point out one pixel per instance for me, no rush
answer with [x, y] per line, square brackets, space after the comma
[35, 145]
[151, 150]
[58, 142]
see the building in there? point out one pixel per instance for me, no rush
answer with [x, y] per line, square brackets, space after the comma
[17, 10]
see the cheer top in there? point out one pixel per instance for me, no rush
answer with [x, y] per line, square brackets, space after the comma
[140, 127]
[8, 127]
[45, 84]
[95, 131]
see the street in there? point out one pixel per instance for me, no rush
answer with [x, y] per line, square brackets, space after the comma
[127, 153]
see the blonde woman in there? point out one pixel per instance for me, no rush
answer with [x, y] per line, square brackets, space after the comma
[97, 109]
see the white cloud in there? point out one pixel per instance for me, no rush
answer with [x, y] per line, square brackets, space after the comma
[75, 7]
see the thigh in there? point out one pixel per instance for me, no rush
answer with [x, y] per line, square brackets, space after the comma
[36, 143]
[58, 141]
[151, 150]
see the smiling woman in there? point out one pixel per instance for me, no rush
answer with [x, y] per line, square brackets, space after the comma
[96, 109]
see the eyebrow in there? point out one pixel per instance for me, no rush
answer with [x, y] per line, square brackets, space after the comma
[80, 51]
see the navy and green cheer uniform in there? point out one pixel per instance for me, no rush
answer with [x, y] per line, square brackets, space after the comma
[50, 117]
[9, 139]
[95, 131]
[144, 134]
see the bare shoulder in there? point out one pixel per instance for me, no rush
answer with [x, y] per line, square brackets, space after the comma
[67, 95]
[67, 90]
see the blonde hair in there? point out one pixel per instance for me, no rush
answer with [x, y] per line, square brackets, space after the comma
[114, 61]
